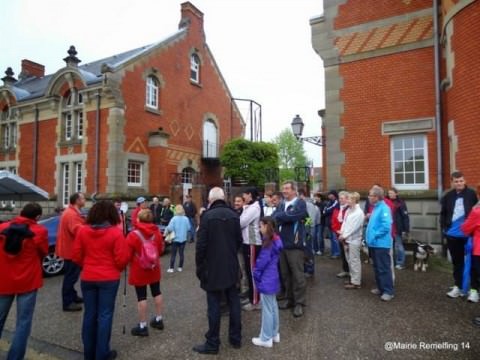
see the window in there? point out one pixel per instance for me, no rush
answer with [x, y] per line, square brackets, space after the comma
[72, 116]
[134, 173]
[210, 142]
[409, 162]
[78, 177]
[8, 129]
[195, 68]
[66, 183]
[152, 92]
[187, 175]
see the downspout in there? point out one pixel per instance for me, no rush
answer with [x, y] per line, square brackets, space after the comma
[35, 146]
[438, 100]
[97, 144]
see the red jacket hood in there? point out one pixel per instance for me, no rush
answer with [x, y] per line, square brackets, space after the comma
[23, 220]
[96, 231]
[147, 229]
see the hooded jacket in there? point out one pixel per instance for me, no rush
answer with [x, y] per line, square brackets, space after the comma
[291, 223]
[101, 251]
[139, 276]
[379, 228]
[265, 274]
[70, 222]
[22, 273]
[352, 225]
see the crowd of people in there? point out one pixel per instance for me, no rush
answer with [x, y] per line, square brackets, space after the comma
[255, 254]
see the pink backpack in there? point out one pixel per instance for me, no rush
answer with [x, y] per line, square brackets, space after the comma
[149, 255]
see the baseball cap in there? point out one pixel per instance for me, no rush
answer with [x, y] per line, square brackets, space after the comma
[140, 200]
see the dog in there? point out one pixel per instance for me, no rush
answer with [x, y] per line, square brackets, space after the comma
[421, 253]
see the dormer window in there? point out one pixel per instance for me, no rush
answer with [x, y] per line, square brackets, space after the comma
[195, 68]
[152, 92]
[72, 116]
[8, 129]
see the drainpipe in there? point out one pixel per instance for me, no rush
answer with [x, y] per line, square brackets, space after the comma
[35, 146]
[438, 103]
[97, 144]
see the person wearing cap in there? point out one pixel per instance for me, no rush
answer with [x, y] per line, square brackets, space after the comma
[328, 212]
[141, 204]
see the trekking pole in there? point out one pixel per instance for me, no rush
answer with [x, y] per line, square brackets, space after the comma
[124, 299]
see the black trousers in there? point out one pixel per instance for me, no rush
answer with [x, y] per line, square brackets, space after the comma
[344, 258]
[456, 246]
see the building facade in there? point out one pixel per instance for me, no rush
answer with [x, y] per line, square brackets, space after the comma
[401, 79]
[139, 122]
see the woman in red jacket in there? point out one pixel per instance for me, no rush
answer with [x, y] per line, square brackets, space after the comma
[101, 251]
[140, 276]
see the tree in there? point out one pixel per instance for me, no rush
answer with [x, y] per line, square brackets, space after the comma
[291, 154]
[247, 160]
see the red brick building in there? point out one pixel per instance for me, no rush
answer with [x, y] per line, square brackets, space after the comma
[395, 113]
[134, 123]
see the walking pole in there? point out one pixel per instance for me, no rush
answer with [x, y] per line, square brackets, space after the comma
[124, 208]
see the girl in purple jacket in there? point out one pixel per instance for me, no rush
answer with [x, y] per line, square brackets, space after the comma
[267, 280]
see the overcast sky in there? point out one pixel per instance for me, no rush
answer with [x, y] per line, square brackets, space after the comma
[263, 47]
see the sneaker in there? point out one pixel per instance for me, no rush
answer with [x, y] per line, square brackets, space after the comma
[386, 297]
[251, 307]
[399, 267]
[376, 291]
[139, 331]
[257, 341]
[73, 307]
[170, 270]
[179, 269]
[276, 338]
[298, 311]
[343, 274]
[157, 324]
[333, 257]
[454, 293]
[473, 296]
[319, 253]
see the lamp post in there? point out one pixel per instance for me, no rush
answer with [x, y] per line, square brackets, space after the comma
[297, 129]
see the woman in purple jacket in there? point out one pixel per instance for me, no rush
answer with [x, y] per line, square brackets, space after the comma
[267, 280]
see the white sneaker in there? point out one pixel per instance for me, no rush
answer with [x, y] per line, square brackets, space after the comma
[170, 270]
[257, 341]
[473, 296]
[386, 297]
[454, 293]
[376, 291]
[276, 338]
[179, 269]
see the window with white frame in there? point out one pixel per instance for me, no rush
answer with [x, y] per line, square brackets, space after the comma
[187, 175]
[65, 183]
[210, 139]
[134, 173]
[195, 68]
[72, 179]
[78, 177]
[72, 116]
[152, 92]
[409, 156]
[8, 129]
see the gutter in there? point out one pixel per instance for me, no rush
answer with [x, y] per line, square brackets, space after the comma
[97, 144]
[35, 146]
[438, 100]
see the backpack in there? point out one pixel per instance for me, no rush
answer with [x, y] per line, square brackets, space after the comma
[14, 235]
[149, 254]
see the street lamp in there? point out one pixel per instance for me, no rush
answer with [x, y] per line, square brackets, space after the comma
[297, 129]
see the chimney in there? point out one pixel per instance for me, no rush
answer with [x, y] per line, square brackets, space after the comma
[9, 79]
[191, 16]
[30, 68]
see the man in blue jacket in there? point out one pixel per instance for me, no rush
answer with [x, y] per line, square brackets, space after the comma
[379, 241]
[290, 216]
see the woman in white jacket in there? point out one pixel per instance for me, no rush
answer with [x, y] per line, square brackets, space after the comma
[351, 235]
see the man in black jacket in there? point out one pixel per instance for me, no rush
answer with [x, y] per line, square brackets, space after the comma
[218, 239]
[456, 205]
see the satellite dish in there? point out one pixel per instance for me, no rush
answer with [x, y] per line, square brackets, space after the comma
[124, 207]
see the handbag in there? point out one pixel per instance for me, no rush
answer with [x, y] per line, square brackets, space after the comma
[170, 236]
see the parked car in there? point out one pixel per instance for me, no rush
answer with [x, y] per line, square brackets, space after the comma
[52, 264]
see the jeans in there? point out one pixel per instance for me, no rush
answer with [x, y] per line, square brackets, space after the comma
[193, 227]
[25, 307]
[235, 325]
[383, 269]
[334, 247]
[70, 277]
[456, 246]
[270, 318]
[318, 241]
[99, 300]
[399, 251]
[181, 247]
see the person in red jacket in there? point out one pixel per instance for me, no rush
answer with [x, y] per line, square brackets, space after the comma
[70, 222]
[141, 205]
[23, 243]
[140, 277]
[336, 223]
[101, 251]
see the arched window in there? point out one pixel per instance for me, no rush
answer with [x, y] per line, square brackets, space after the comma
[72, 116]
[187, 175]
[152, 92]
[195, 68]
[210, 139]
[8, 129]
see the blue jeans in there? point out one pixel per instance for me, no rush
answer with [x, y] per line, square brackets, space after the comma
[399, 251]
[270, 319]
[383, 270]
[235, 325]
[70, 277]
[25, 307]
[335, 248]
[180, 247]
[318, 242]
[99, 300]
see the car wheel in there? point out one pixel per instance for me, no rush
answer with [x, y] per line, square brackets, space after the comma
[52, 264]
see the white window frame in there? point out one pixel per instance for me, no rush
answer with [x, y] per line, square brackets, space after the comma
[79, 124]
[152, 86]
[65, 183]
[73, 117]
[208, 150]
[130, 176]
[414, 186]
[188, 174]
[6, 136]
[195, 68]
[78, 177]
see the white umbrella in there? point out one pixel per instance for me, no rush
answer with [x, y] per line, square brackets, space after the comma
[13, 187]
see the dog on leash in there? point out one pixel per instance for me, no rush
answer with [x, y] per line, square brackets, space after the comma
[421, 253]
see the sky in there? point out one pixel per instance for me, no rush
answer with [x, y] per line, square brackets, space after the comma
[262, 47]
